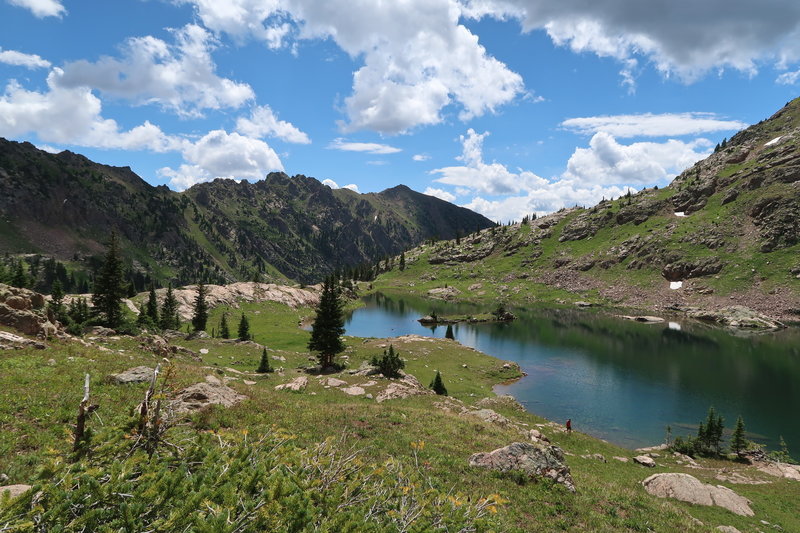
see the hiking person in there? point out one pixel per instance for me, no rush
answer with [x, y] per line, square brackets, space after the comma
[569, 425]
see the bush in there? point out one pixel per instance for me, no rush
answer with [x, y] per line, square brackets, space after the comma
[390, 364]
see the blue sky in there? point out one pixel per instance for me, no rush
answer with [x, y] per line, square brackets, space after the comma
[505, 106]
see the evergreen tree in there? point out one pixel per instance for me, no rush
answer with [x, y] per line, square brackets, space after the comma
[448, 334]
[437, 385]
[390, 364]
[169, 311]
[200, 309]
[264, 366]
[152, 306]
[402, 261]
[109, 287]
[19, 278]
[738, 440]
[224, 331]
[328, 326]
[57, 297]
[244, 328]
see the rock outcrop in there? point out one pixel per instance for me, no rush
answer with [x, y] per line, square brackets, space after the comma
[25, 311]
[530, 459]
[689, 489]
[138, 374]
[202, 395]
[13, 491]
[298, 384]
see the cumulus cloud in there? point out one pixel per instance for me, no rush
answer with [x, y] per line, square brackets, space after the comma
[680, 37]
[370, 148]
[333, 185]
[605, 168]
[417, 58]
[72, 116]
[41, 8]
[420, 157]
[180, 77]
[789, 78]
[441, 194]
[20, 59]
[263, 123]
[652, 125]
[219, 154]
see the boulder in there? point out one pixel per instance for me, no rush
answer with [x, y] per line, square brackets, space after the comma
[444, 293]
[530, 459]
[398, 389]
[9, 340]
[735, 316]
[684, 269]
[201, 395]
[728, 529]
[353, 391]
[13, 490]
[298, 384]
[333, 382]
[784, 470]
[487, 415]
[644, 460]
[689, 489]
[138, 374]
[537, 436]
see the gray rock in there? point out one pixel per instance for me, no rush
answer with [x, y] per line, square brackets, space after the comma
[333, 382]
[728, 529]
[533, 460]
[139, 374]
[487, 415]
[296, 385]
[353, 391]
[505, 400]
[689, 489]
[13, 490]
[644, 461]
[201, 395]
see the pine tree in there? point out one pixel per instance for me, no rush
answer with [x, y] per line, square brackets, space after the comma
[437, 385]
[169, 310]
[224, 330]
[738, 440]
[57, 297]
[328, 326]
[109, 287]
[244, 328]
[19, 278]
[152, 306]
[264, 366]
[448, 334]
[200, 317]
[402, 261]
[390, 364]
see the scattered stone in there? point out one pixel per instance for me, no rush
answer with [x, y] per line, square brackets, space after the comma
[537, 436]
[689, 489]
[643, 318]
[248, 382]
[14, 491]
[332, 382]
[583, 304]
[201, 395]
[204, 351]
[400, 389]
[279, 358]
[296, 385]
[214, 380]
[444, 293]
[505, 400]
[533, 460]
[51, 362]
[488, 415]
[15, 341]
[644, 461]
[784, 470]
[620, 459]
[657, 448]
[728, 529]
[138, 374]
[596, 456]
[735, 316]
[100, 331]
[198, 335]
[369, 383]
[353, 391]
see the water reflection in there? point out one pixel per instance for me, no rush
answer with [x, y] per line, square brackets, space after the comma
[622, 380]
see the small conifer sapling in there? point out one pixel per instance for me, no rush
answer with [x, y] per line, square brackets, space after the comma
[264, 366]
[437, 385]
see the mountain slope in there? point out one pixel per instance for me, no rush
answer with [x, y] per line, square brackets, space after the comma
[66, 205]
[727, 228]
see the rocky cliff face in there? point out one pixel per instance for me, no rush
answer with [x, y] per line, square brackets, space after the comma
[66, 206]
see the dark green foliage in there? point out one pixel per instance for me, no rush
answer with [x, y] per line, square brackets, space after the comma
[169, 311]
[234, 483]
[437, 385]
[709, 437]
[448, 334]
[402, 261]
[782, 455]
[224, 330]
[244, 328]
[499, 311]
[390, 364]
[152, 305]
[200, 317]
[57, 299]
[18, 277]
[109, 287]
[328, 326]
[738, 441]
[263, 366]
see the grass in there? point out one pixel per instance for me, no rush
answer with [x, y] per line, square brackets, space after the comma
[39, 397]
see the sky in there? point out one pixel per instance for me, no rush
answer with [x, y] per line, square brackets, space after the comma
[507, 107]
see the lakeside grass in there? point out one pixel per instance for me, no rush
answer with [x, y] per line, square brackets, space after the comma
[38, 402]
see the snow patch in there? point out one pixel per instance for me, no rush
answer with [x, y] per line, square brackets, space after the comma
[776, 140]
[680, 213]
[674, 285]
[674, 325]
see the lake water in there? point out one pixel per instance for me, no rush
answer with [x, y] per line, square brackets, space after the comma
[620, 380]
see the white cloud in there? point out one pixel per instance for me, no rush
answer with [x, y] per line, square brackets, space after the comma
[681, 37]
[440, 193]
[333, 185]
[49, 149]
[417, 58]
[604, 169]
[180, 77]
[652, 125]
[220, 154]
[370, 148]
[789, 78]
[20, 59]
[263, 123]
[41, 8]
[606, 161]
[72, 116]
[420, 157]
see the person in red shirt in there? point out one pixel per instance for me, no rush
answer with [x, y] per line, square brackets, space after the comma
[569, 425]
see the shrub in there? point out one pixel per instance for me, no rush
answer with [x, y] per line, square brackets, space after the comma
[390, 364]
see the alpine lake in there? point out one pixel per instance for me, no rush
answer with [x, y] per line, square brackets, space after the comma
[617, 379]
